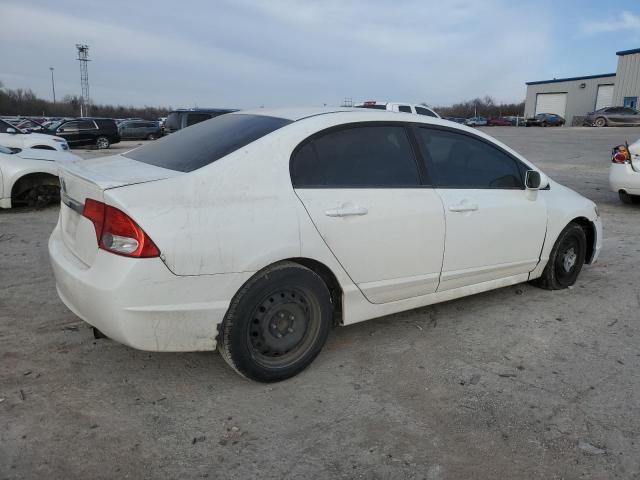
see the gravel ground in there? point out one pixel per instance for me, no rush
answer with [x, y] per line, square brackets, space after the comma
[513, 383]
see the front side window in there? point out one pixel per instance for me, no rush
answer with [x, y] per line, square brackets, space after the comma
[356, 157]
[461, 161]
[69, 127]
[405, 108]
[86, 125]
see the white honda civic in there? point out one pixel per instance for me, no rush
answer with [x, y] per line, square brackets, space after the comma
[256, 231]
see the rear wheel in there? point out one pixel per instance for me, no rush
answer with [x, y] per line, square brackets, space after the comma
[566, 259]
[545, 124]
[277, 323]
[600, 122]
[151, 136]
[102, 142]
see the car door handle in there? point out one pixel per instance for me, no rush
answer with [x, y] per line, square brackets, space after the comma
[464, 207]
[346, 212]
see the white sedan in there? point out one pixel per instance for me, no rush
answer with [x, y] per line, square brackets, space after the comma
[13, 137]
[30, 176]
[624, 172]
[256, 231]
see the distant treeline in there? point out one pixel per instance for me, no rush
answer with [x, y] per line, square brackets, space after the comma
[482, 107]
[21, 102]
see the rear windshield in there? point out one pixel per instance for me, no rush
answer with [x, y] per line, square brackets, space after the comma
[204, 143]
[377, 106]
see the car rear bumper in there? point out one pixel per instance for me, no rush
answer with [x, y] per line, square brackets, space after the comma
[623, 177]
[139, 302]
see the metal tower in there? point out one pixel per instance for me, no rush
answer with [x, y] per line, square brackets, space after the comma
[83, 58]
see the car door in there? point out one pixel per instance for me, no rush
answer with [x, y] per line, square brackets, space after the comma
[70, 132]
[372, 204]
[495, 227]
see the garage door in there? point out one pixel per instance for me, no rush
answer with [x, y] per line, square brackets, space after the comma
[605, 96]
[551, 103]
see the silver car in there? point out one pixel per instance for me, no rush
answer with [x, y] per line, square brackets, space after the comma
[610, 116]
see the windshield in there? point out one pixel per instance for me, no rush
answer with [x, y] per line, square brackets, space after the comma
[205, 142]
[54, 125]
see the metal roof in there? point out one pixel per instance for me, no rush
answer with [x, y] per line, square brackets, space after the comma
[571, 79]
[622, 53]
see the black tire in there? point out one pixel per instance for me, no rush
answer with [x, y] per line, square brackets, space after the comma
[600, 122]
[277, 323]
[545, 124]
[629, 199]
[566, 259]
[151, 136]
[102, 142]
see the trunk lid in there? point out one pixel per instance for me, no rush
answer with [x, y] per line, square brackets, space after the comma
[90, 179]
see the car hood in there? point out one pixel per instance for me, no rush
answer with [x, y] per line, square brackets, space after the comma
[47, 155]
[44, 136]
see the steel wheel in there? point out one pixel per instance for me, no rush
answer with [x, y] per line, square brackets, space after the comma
[285, 323]
[277, 323]
[565, 259]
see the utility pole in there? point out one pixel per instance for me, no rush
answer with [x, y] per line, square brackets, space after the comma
[53, 85]
[83, 58]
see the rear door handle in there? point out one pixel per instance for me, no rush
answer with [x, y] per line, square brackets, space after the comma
[346, 212]
[464, 207]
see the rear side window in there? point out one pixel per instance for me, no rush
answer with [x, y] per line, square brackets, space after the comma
[193, 118]
[424, 111]
[86, 125]
[356, 157]
[204, 143]
[376, 106]
[405, 108]
[460, 161]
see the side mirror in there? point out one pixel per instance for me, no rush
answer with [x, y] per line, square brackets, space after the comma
[535, 180]
[11, 131]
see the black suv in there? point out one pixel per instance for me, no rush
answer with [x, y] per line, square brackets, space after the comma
[184, 117]
[100, 132]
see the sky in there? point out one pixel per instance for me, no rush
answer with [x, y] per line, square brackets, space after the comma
[250, 53]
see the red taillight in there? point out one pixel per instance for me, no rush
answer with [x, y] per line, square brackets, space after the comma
[619, 158]
[116, 232]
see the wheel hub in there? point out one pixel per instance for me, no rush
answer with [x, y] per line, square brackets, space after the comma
[569, 259]
[279, 324]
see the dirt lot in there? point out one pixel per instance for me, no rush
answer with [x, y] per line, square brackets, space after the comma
[514, 383]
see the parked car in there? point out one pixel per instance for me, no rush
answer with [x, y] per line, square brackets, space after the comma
[163, 248]
[545, 120]
[30, 176]
[179, 119]
[624, 172]
[612, 116]
[499, 122]
[29, 125]
[100, 132]
[475, 122]
[161, 122]
[399, 107]
[12, 137]
[139, 129]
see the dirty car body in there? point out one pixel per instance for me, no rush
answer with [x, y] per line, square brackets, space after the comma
[172, 246]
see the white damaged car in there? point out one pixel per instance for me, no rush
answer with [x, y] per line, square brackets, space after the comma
[30, 176]
[256, 231]
[13, 137]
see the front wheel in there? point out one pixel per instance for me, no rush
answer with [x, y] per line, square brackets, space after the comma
[277, 323]
[151, 136]
[102, 143]
[566, 259]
